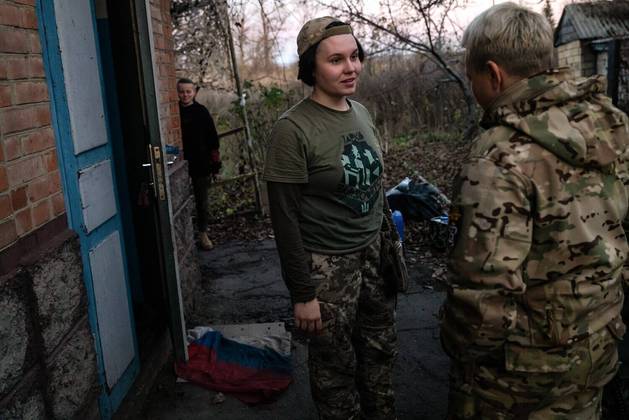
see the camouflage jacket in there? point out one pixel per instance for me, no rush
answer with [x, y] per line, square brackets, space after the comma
[542, 199]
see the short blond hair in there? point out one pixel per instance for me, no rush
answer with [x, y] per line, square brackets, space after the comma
[514, 37]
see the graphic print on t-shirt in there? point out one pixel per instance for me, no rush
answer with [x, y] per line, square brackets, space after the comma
[362, 168]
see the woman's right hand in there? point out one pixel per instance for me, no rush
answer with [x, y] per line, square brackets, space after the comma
[308, 316]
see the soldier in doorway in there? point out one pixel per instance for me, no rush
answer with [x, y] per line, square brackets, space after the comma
[201, 150]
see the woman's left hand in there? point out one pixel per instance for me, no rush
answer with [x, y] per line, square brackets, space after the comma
[308, 316]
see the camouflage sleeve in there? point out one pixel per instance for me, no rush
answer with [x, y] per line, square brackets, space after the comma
[622, 172]
[625, 225]
[494, 239]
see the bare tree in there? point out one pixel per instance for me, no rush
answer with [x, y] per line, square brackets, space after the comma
[238, 9]
[200, 38]
[547, 11]
[265, 38]
[199, 35]
[418, 26]
[273, 15]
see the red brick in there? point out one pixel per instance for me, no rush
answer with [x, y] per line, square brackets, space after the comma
[28, 92]
[58, 205]
[4, 181]
[38, 189]
[12, 67]
[164, 70]
[42, 115]
[28, 18]
[19, 198]
[1, 154]
[159, 42]
[7, 233]
[15, 41]
[29, 2]
[41, 213]
[23, 222]
[9, 15]
[5, 206]
[21, 66]
[173, 123]
[34, 42]
[50, 161]
[24, 170]
[5, 95]
[12, 149]
[55, 182]
[36, 67]
[37, 141]
[20, 119]
[155, 12]
[157, 27]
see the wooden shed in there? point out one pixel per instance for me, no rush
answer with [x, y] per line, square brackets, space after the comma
[593, 38]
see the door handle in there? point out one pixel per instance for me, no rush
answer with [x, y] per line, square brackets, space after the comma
[157, 172]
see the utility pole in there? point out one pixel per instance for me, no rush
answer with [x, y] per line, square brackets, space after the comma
[242, 97]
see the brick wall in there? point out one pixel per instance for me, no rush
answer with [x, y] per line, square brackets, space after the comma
[30, 185]
[165, 72]
[578, 56]
[569, 55]
[182, 203]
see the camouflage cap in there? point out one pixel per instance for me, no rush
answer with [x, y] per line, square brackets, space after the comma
[317, 29]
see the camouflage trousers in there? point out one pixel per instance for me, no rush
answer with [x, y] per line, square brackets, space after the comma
[351, 361]
[531, 383]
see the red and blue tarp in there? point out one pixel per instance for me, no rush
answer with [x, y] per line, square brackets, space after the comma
[252, 374]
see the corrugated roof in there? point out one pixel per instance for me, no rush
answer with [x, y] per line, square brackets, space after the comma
[593, 21]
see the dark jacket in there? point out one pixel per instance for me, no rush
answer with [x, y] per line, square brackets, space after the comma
[200, 140]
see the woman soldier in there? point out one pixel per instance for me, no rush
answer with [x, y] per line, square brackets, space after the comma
[324, 169]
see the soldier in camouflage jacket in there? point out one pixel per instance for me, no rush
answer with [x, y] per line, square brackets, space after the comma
[533, 308]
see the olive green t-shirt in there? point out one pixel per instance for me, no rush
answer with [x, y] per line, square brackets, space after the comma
[336, 155]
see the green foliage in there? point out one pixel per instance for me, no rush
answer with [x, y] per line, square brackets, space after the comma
[273, 96]
[235, 109]
[412, 139]
[440, 136]
[229, 198]
[265, 104]
[222, 123]
[403, 139]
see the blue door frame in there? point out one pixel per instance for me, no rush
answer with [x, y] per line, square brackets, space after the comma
[71, 164]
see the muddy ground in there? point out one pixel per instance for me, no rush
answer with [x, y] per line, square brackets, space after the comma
[244, 286]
